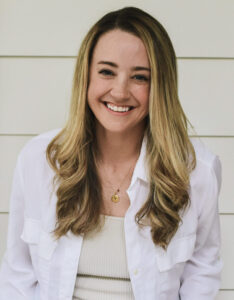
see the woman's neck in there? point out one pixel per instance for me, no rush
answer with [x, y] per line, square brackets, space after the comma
[116, 149]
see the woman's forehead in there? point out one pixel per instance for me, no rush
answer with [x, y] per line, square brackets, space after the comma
[120, 46]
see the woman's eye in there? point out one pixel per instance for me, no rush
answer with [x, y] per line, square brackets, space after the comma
[141, 78]
[106, 72]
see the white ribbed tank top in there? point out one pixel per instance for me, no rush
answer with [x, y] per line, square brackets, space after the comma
[102, 271]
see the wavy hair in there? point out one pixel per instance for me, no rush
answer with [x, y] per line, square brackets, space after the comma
[170, 154]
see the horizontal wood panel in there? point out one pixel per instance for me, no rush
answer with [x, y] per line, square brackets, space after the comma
[225, 295]
[206, 91]
[227, 252]
[227, 222]
[224, 147]
[197, 29]
[35, 94]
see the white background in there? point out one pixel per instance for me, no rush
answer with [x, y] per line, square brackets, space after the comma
[39, 41]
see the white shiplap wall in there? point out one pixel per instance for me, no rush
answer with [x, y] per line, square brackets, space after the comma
[38, 44]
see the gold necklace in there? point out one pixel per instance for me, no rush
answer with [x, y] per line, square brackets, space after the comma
[116, 197]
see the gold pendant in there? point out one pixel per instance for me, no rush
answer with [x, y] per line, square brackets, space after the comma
[115, 197]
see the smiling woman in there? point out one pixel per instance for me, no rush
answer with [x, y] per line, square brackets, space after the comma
[119, 85]
[120, 203]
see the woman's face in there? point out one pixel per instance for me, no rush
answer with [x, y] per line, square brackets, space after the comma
[119, 83]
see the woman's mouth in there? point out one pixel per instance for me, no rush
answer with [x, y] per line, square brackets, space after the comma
[118, 109]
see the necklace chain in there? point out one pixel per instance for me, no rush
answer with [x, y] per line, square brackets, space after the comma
[115, 196]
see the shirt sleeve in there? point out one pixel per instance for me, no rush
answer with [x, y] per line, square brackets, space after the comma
[201, 276]
[17, 278]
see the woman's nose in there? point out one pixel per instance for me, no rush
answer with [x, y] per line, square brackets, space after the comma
[120, 90]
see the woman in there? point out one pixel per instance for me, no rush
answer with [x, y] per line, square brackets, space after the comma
[133, 211]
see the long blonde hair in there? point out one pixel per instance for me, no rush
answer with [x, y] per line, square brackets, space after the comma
[170, 154]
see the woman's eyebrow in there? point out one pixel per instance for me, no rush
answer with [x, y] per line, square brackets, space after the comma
[102, 62]
[112, 64]
[138, 68]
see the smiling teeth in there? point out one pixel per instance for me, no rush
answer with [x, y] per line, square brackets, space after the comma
[117, 108]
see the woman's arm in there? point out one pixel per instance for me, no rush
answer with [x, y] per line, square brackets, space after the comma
[201, 277]
[17, 278]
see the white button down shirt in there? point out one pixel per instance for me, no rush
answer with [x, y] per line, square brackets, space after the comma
[36, 267]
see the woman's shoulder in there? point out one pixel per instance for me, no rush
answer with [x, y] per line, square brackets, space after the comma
[39, 142]
[35, 148]
[203, 154]
[208, 166]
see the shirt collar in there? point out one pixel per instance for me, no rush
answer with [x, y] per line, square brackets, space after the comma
[141, 169]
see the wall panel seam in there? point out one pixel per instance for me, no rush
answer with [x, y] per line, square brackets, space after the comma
[192, 136]
[72, 56]
[221, 214]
